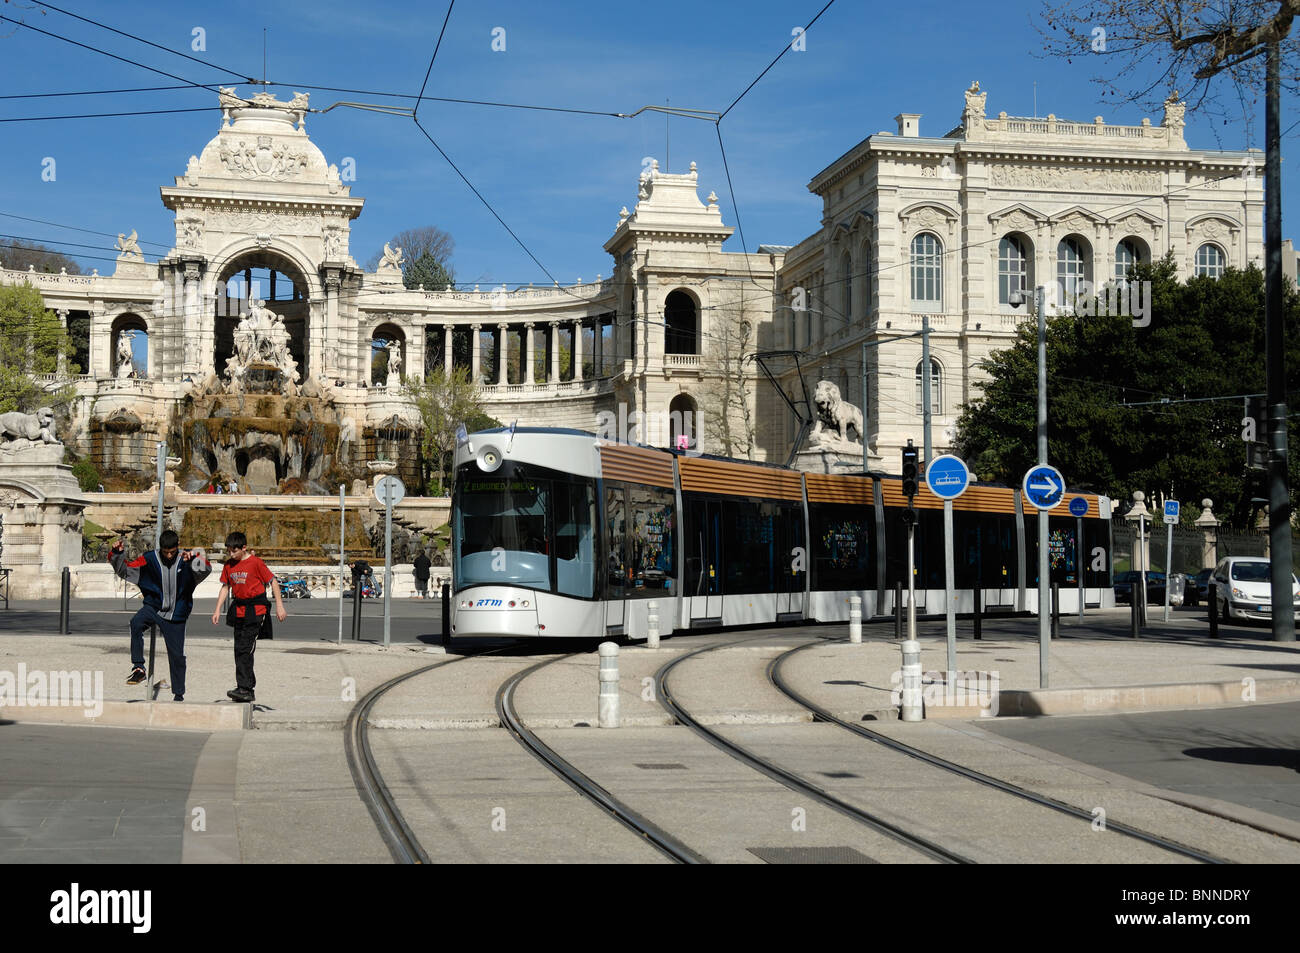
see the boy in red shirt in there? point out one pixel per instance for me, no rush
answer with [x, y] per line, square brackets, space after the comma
[245, 578]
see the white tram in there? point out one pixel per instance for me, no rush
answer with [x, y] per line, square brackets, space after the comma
[561, 533]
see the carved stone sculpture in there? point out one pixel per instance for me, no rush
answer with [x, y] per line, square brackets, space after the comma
[28, 428]
[834, 412]
[128, 246]
[261, 357]
[392, 260]
[125, 354]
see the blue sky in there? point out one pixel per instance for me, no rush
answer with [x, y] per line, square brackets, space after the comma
[558, 180]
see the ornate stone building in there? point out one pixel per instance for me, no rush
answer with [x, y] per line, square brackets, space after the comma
[261, 295]
[946, 228]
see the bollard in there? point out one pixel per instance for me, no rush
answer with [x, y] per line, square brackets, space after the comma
[1134, 624]
[911, 697]
[356, 607]
[855, 619]
[446, 615]
[1056, 610]
[898, 610]
[652, 625]
[65, 595]
[1214, 609]
[608, 685]
[979, 613]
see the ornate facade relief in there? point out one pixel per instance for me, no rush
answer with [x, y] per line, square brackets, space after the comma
[263, 158]
[1074, 180]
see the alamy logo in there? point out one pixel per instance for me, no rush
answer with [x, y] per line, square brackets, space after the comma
[40, 689]
[75, 906]
[960, 689]
[651, 428]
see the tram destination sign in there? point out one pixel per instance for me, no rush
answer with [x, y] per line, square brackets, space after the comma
[947, 476]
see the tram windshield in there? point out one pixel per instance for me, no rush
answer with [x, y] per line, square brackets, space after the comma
[523, 530]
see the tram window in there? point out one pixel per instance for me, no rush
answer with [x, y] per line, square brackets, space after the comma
[1096, 536]
[750, 530]
[650, 532]
[841, 546]
[574, 544]
[502, 532]
[615, 540]
[984, 550]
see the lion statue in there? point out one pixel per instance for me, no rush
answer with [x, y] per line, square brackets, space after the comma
[835, 412]
[34, 427]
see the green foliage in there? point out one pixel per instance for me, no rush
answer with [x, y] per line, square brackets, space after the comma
[31, 340]
[1205, 339]
[87, 474]
[19, 255]
[444, 403]
[427, 271]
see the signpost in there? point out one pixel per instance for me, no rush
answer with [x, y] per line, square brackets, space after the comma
[1171, 517]
[342, 534]
[947, 478]
[1079, 509]
[1044, 488]
[390, 491]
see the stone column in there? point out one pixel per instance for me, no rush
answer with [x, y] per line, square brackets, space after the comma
[448, 332]
[554, 338]
[474, 352]
[530, 354]
[192, 326]
[577, 350]
[413, 366]
[503, 340]
[101, 344]
[63, 358]
[1209, 525]
[599, 344]
[1141, 548]
[333, 363]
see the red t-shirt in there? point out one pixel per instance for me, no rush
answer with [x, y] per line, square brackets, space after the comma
[247, 578]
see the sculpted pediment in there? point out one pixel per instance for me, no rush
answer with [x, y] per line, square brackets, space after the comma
[928, 215]
[1017, 218]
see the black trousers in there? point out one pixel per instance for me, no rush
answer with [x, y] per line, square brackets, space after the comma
[173, 634]
[246, 632]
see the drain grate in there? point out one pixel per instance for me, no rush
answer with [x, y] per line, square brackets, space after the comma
[314, 651]
[668, 766]
[810, 855]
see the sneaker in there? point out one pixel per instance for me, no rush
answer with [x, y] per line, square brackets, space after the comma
[241, 696]
[232, 693]
[138, 676]
[178, 698]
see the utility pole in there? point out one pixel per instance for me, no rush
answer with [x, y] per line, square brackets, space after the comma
[1279, 509]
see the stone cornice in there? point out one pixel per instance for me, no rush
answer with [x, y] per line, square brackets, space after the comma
[178, 199]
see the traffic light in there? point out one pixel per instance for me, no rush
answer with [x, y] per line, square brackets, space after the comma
[911, 459]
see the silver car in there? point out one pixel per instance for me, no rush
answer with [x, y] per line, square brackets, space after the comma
[1243, 589]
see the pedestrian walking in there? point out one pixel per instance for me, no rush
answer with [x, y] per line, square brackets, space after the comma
[422, 564]
[246, 579]
[167, 579]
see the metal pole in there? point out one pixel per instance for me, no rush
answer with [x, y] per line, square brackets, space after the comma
[911, 580]
[356, 606]
[1146, 565]
[1169, 565]
[162, 480]
[1213, 593]
[898, 610]
[342, 564]
[949, 594]
[388, 558]
[1279, 497]
[1056, 610]
[65, 593]
[1080, 552]
[1135, 620]
[1044, 627]
[978, 618]
[925, 385]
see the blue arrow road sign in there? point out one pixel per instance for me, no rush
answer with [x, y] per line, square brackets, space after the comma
[1078, 506]
[1171, 511]
[1044, 487]
[947, 477]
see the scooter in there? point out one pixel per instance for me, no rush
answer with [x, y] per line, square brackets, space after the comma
[294, 588]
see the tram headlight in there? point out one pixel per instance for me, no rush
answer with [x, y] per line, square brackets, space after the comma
[489, 459]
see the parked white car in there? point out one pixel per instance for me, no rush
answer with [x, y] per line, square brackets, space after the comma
[1243, 589]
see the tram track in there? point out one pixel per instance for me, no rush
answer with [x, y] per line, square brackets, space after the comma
[822, 714]
[656, 836]
[790, 779]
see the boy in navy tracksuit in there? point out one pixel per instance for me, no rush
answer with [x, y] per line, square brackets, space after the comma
[167, 579]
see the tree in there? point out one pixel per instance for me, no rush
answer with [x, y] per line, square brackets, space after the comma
[31, 340]
[1204, 340]
[725, 394]
[19, 256]
[422, 249]
[444, 402]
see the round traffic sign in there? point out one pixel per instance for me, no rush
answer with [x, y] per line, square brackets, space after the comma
[1078, 506]
[1043, 486]
[947, 476]
[390, 490]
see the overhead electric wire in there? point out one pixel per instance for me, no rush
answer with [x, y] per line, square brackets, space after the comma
[785, 49]
[437, 46]
[115, 115]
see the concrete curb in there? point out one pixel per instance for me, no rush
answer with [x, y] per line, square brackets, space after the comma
[1136, 698]
[178, 716]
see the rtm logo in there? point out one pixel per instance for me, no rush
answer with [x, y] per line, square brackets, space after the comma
[488, 602]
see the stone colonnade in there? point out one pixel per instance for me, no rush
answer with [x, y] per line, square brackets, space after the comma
[536, 334]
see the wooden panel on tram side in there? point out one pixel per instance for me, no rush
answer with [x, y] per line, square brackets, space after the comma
[978, 497]
[636, 465]
[739, 479]
[839, 488]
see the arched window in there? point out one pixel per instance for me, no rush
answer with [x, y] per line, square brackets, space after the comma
[1127, 254]
[927, 272]
[846, 276]
[682, 323]
[1013, 268]
[1210, 261]
[682, 422]
[1071, 269]
[387, 356]
[936, 387]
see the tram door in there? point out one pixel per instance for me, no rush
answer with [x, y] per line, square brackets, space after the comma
[616, 559]
[792, 561]
[704, 568]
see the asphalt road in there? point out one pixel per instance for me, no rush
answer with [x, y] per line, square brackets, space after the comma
[412, 620]
[1248, 756]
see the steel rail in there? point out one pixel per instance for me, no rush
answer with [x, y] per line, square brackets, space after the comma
[821, 714]
[789, 778]
[583, 784]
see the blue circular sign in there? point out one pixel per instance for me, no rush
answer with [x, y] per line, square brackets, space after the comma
[947, 477]
[1044, 487]
[1078, 506]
